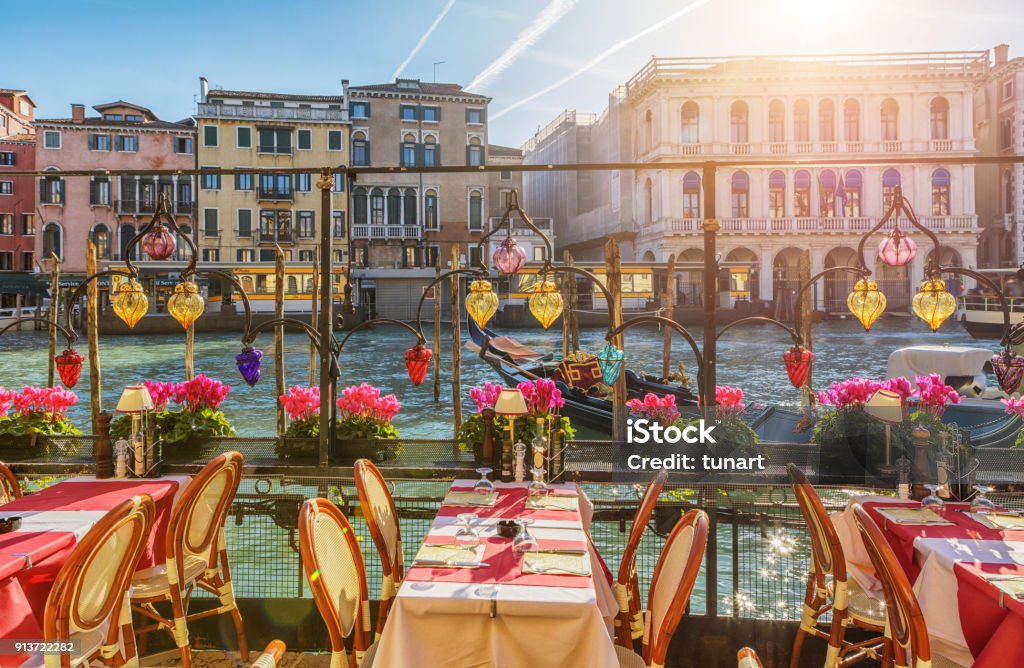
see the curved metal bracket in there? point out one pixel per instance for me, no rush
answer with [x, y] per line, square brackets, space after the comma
[332, 346]
[479, 273]
[798, 314]
[793, 333]
[206, 273]
[506, 219]
[68, 334]
[76, 294]
[679, 329]
[158, 214]
[899, 203]
[382, 321]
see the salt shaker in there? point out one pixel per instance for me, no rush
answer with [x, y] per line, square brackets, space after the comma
[520, 471]
[121, 467]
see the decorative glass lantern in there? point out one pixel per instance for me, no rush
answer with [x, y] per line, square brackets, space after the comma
[510, 256]
[186, 304]
[130, 302]
[933, 303]
[1009, 370]
[69, 366]
[610, 359]
[546, 303]
[482, 303]
[417, 361]
[897, 249]
[798, 365]
[866, 302]
[159, 243]
[248, 362]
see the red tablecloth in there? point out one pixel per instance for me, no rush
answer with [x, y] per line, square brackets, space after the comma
[52, 522]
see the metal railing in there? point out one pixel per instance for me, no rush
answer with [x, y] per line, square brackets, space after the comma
[271, 113]
[275, 194]
[815, 224]
[132, 206]
[386, 231]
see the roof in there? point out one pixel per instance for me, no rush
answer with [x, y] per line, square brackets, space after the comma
[121, 103]
[96, 121]
[417, 86]
[17, 91]
[495, 149]
[256, 95]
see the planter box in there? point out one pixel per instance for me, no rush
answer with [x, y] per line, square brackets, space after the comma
[377, 451]
[27, 446]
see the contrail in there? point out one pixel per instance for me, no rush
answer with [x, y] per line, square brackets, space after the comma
[615, 48]
[423, 39]
[550, 15]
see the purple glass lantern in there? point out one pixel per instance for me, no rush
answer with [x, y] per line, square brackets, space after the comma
[159, 243]
[1009, 370]
[509, 257]
[249, 364]
[897, 249]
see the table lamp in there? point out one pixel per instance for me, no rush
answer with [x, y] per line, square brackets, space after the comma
[511, 404]
[887, 407]
[135, 401]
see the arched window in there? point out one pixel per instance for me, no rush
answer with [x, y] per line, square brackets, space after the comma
[890, 181]
[801, 121]
[359, 206]
[394, 207]
[826, 120]
[854, 188]
[940, 118]
[431, 152]
[125, 234]
[376, 206]
[409, 207]
[776, 121]
[802, 194]
[474, 153]
[648, 131]
[827, 194]
[740, 195]
[890, 120]
[100, 235]
[53, 241]
[738, 117]
[431, 221]
[690, 123]
[360, 149]
[476, 209]
[940, 192]
[408, 150]
[851, 120]
[777, 194]
[648, 214]
[691, 195]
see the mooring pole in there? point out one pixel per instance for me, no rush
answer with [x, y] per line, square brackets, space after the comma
[92, 328]
[437, 331]
[710, 286]
[54, 314]
[806, 309]
[668, 302]
[313, 317]
[327, 384]
[613, 273]
[456, 344]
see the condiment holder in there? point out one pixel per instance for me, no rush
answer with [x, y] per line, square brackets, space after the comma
[508, 528]
[9, 524]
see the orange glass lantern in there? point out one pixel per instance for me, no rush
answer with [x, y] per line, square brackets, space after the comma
[933, 303]
[186, 304]
[546, 303]
[417, 361]
[482, 303]
[798, 365]
[130, 302]
[866, 302]
[69, 366]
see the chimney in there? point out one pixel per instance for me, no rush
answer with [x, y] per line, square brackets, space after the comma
[204, 89]
[1002, 51]
[78, 112]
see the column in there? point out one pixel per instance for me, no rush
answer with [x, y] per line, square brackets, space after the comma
[766, 277]
[817, 266]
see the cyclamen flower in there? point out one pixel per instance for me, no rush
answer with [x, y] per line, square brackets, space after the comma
[660, 409]
[301, 403]
[199, 392]
[900, 386]
[933, 394]
[486, 396]
[365, 401]
[53, 401]
[729, 400]
[1014, 406]
[850, 393]
[542, 396]
[6, 399]
[161, 393]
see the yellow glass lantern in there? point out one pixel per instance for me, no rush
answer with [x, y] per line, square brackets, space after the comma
[546, 303]
[186, 304]
[482, 303]
[933, 303]
[866, 302]
[130, 302]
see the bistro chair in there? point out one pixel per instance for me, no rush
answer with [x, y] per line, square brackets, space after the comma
[378, 510]
[337, 577]
[747, 658]
[271, 656]
[629, 622]
[671, 585]
[829, 589]
[88, 602]
[196, 557]
[9, 487]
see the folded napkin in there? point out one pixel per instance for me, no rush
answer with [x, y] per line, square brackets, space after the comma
[470, 499]
[449, 556]
[1006, 521]
[1011, 585]
[552, 502]
[913, 516]
[554, 562]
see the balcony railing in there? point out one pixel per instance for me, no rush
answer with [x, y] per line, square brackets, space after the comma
[271, 113]
[134, 207]
[942, 145]
[894, 146]
[278, 236]
[386, 232]
[275, 194]
[802, 225]
[673, 150]
[277, 150]
[545, 225]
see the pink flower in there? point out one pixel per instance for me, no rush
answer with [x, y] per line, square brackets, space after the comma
[365, 401]
[199, 392]
[1014, 406]
[901, 386]
[660, 409]
[850, 393]
[301, 403]
[51, 401]
[161, 393]
[933, 395]
[730, 401]
[486, 396]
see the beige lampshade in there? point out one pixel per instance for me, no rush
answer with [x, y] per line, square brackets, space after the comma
[135, 399]
[885, 406]
[510, 402]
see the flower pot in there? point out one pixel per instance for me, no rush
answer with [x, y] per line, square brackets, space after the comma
[346, 451]
[297, 448]
[25, 446]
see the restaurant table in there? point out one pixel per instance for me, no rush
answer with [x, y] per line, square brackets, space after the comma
[496, 615]
[969, 618]
[52, 522]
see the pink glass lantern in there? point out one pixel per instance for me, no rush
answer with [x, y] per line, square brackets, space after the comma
[1009, 370]
[159, 243]
[509, 257]
[897, 249]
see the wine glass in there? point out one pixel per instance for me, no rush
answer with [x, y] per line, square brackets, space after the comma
[483, 486]
[467, 536]
[933, 501]
[537, 486]
[524, 540]
[981, 504]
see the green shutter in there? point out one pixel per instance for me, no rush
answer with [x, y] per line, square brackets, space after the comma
[438, 110]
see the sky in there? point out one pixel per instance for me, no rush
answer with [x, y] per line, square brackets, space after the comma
[534, 58]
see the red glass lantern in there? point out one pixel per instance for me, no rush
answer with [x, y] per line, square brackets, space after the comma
[897, 249]
[798, 365]
[1009, 370]
[509, 257]
[417, 361]
[159, 243]
[69, 366]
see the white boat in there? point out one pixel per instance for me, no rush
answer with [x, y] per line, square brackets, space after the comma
[9, 315]
[981, 313]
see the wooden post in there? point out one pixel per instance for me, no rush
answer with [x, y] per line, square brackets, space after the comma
[54, 314]
[572, 316]
[313, 311]
[456, 343]
[279, 335]
[437, 333]
[92, 331]
[806, 307]
[668, 302]
[710, 349]
[190, 341]
[613, 277]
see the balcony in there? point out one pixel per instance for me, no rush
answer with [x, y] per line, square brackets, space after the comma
[942, 145]
[519, 229]
[385, 232]
[271, 113]
[275, 237]
[665, 151]
[801, 225]
[893, 146]
[275, 194]
[274, 150]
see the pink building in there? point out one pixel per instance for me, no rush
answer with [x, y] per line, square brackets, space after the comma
[17, 199]
[108, 209]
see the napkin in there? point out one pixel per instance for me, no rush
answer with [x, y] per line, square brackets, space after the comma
[552, 502]
[469, 499]
[1013, 585]
[556, 563]
[449, 556]
[913, 516]
[1006, 521]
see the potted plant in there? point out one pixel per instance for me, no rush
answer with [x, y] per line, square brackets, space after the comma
[36, 411]
[543, 399]
[1015, 406]
[364, 419]
[848, 437]
[731, 430]
[300, 440]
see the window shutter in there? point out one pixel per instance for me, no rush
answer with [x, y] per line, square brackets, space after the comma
[468, 155]
[467, 114]
[367, 109]
[367, 148]
[437, 155]
[438, 114]
[92, 191]
[42, 190]
[419, 154]
[60, 191]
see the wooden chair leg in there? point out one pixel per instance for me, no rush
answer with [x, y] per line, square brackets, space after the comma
[226, 593]
[808, 619]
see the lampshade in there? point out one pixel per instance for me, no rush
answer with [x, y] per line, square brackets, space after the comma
[510, 402]
[610, 360]
[897, 249]
[1009, 370]
[481, 303]
[159, 243]
[545, 303]
[186, 304]
[135, 399]
[798, 365]
[885, 406]
[69, 366]
[509, 257]
[866, 302]
[130, 302]
[933, 303]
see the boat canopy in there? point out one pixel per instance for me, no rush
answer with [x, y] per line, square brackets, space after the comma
[958, 365]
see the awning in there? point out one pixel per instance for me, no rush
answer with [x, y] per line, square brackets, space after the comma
[22, 284]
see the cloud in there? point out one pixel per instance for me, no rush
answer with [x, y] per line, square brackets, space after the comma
[423, 40]
[548, 17]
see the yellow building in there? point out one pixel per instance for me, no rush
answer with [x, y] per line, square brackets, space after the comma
[241, 217]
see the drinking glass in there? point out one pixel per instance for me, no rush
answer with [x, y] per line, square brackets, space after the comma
[524, 540]
[537, 485]
[467, 536]
[483, 486]
[981, 504]
[933, 501]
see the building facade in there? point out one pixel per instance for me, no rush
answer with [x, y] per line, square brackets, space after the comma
[17, 193]
[108, 210]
